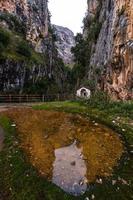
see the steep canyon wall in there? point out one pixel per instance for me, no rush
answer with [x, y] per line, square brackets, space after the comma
[112, 48]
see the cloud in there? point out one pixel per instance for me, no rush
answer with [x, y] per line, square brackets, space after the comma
[68, 13]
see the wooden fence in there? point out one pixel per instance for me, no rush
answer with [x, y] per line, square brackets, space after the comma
[13, 98]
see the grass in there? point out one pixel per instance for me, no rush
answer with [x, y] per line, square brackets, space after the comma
[73, 106]
[11, 50]
[20, 180]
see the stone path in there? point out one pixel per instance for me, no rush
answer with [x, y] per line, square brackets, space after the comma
[7, 106]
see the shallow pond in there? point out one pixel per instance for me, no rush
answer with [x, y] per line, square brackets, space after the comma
[48, 138]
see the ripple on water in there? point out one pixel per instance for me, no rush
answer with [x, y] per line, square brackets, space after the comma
[69, 170]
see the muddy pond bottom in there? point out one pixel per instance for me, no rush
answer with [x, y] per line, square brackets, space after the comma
[69, 170]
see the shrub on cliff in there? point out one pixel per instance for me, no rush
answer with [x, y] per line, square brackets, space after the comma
[24, 49]
[4, 38]
[13, 22]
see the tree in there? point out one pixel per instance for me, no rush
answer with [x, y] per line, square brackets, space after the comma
[81, 57]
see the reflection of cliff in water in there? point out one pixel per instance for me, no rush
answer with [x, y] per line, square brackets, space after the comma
[70, 170]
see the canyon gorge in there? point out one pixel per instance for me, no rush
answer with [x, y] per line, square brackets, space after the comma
[66, 100]
[107, 32]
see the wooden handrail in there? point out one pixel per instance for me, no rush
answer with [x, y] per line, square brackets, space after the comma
[16, 98]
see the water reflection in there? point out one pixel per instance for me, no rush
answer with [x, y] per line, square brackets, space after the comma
[69, 170]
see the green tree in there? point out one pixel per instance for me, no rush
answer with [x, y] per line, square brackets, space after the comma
[79, 50]
[81, 58]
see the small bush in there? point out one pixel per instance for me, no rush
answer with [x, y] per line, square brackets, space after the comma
[1, 48]
[123, 108]
[90, 83]
[94, 31]
[14, 23]
[4, 38]
[99, 100]
[24, 49]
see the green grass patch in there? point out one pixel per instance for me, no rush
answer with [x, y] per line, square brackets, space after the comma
[71, 106]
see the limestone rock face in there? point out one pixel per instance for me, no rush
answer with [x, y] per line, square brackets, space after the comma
[8, 5]
[42, 72]
[35, 15]
[65, 41]
[112, 50]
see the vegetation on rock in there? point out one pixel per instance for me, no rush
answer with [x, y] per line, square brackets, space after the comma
[14, 23]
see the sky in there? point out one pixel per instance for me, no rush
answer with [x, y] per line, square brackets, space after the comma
[68, 13]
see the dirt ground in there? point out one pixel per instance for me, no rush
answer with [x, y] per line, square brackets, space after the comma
[41, 132]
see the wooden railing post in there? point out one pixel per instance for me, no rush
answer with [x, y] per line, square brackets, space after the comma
[43, 98]
[27, 98]
[10, 98]
[58, 97]
[19, 99]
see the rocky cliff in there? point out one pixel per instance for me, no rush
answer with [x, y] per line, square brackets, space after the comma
[109, 32]
[34, 13]
[29, 61]
[65, 41]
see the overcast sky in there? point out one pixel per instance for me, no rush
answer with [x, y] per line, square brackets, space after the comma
[68, 13]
